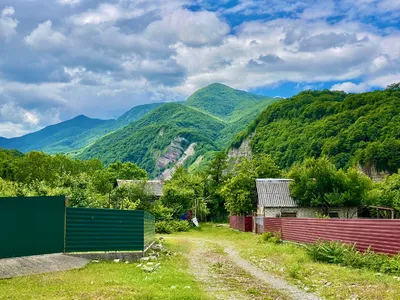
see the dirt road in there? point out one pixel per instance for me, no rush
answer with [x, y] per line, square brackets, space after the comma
[226, 275]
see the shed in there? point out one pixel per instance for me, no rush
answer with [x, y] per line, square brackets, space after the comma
[155, 187]
[274, 200]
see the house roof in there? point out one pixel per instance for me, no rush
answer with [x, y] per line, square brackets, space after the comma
[274, 193]
[155, 186]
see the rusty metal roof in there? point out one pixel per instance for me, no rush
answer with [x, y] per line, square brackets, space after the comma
[274, 193]
[155, 186]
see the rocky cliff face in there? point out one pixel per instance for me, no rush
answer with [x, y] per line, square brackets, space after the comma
[175, 156]
[243, 151]
[373, 173]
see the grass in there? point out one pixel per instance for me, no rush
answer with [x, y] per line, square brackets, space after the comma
[291, 262]
[109, 280]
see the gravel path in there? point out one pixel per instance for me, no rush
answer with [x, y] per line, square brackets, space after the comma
[37, 264]
[201, 258]
[275, 282]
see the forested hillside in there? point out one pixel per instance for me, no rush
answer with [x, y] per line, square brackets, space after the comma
[74, 134]
[206, 122]
[349, 128]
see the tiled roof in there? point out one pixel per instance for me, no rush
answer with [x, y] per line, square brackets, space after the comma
[274, 193]
[155, 186]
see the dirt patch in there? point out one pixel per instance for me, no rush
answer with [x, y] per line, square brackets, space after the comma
[223, 278]
[37, 264]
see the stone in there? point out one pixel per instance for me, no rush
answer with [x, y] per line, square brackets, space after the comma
[117, 260]
[95, 261]
[147, 269]
[145, 259]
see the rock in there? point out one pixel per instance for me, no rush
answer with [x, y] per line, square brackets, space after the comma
[157, 247]
[150, 264]
[157, 266]
[147, 269]
[95, 261]
[139, 265]
[306, 289]
[117, 260]
[145, 259]
[127, 262]
[153, 258]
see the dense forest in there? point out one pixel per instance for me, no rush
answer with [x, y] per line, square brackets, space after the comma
[349, 128]
[209, 118]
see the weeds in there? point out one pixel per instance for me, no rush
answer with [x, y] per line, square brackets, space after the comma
[348, 255]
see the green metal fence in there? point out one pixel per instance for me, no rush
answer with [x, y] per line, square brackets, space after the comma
[31, 225]
[89, 229]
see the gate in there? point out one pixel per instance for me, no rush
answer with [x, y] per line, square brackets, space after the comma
[259, 224]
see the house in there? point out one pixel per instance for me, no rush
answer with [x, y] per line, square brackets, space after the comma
[155, 187]
[274, 201]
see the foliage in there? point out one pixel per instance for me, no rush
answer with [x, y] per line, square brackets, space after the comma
[341, 126]
[85, 183]
[214, 179]
[239, 191]
[172, 226]
[318, 183]
[272, 237]
[348, 255]
[185, 192]
[209, 118]
[387, 193]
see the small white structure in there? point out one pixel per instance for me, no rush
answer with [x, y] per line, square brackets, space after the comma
[274, 201]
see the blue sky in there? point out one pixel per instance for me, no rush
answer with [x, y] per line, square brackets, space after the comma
[62, 58]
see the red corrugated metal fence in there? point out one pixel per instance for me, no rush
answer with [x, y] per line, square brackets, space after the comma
[381, 235]
[241, 223]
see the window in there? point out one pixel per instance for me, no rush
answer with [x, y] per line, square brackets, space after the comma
[289, 215]
[333, 214]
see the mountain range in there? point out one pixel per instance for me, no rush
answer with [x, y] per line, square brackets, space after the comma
[159, 136]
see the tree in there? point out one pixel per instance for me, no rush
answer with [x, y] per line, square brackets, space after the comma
[317, 183]
[126, 171]
[185, 192]
[215, 177]
[239, 191]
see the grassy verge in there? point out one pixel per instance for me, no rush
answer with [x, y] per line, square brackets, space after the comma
[292, 262]
[110, 280]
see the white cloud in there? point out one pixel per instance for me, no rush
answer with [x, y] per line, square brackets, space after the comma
[43, 37]
[191, 28]
[8, 24]
[69, 2]
[350, 87]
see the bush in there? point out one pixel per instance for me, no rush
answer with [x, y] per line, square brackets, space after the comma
[348, 255]
[271, 237]
[172, 226]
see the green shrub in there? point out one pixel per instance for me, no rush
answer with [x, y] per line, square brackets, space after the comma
[271, 237]
[172, 226]
[348, 255]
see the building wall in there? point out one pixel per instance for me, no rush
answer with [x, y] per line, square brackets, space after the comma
[306, 212]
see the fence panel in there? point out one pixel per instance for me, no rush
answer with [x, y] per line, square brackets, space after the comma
[272, 224]
[381, 235]
[241, 223]
[90, 229]
[31, 226]
[149, 229]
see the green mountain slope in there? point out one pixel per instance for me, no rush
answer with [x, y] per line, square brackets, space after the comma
[74, 134]
[210, 118]
[224, 102]
[349, 128]
[160, 135]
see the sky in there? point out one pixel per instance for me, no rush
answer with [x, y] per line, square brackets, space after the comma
[63, 58]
